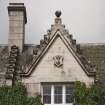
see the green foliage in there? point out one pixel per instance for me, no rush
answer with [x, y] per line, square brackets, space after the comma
[34, 101]
[16, 95]
[95, 95]
[80, 93]
[12, 95]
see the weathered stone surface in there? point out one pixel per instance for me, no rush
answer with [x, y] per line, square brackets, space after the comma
[17, 21]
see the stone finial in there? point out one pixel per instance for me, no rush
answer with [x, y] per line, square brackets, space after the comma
[58, 13]
[58, 20]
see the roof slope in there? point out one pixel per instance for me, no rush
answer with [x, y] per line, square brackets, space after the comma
[3, 57]
[95, 53]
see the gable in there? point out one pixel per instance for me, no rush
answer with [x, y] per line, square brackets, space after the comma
[70, 48]
[71, 70]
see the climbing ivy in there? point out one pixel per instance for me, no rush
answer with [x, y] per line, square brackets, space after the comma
[94, 95]
[34, 101]
[17, 95]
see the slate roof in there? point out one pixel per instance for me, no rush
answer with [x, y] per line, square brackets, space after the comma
[3, 57]
[94, 53]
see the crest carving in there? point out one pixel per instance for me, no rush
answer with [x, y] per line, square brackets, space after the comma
[58, 60]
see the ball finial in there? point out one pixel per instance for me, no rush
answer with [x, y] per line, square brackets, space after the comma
[58, 13]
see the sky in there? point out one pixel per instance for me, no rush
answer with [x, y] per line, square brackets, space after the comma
[85, 19]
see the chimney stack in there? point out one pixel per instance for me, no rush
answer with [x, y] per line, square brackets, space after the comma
[17, 21]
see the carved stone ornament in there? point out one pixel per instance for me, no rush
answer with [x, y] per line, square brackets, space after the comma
[58, 60]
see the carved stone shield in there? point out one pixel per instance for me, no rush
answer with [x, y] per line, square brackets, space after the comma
[58, 60]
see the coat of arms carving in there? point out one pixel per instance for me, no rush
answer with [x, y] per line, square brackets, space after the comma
[58, 60]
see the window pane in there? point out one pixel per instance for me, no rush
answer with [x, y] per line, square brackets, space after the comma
[47, 94]
[58, 94]
[69, 98]
[47, 89]
[69, 93]
[46, 99]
